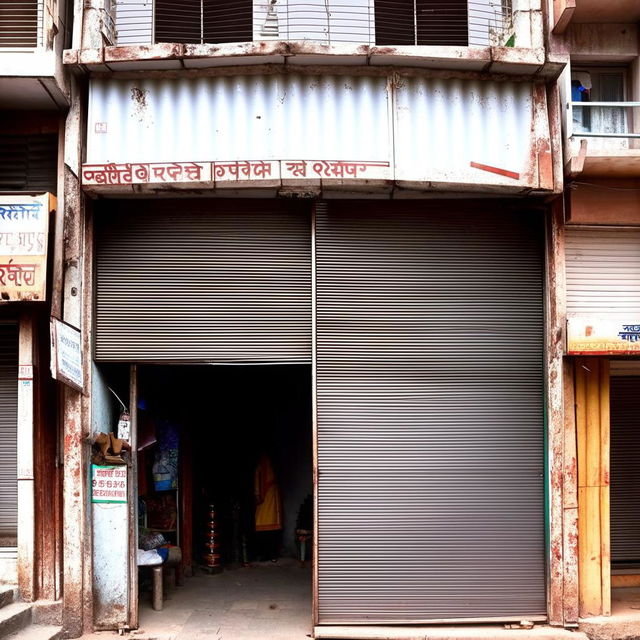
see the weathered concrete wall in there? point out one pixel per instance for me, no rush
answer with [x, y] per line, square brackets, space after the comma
[110, 565]
[103, 415]
[602, 42]
[605, 202]
[110, 522]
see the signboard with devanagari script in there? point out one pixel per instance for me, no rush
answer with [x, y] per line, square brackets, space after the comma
[66, 354]
[603, 335]
[24, 226]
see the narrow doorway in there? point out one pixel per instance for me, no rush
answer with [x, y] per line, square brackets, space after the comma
[225, 497]
[625, 490]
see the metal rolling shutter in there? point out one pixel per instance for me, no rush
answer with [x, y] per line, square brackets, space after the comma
[625, 469]
[193, 281]
[29, 162]
[430, 414]
[8, 433]
[603, 270]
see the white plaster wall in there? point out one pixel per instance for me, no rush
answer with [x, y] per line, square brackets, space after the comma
[110, 531]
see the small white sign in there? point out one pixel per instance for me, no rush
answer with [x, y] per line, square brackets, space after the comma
[66, 354]
[124, 426]
[108, 483]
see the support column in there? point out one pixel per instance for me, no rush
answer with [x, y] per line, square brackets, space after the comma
[562, 603]
[76, 542]
[592, 422]
[26, 488]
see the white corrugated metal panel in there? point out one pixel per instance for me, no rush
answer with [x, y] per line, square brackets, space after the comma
[430, 413]
[603, 270]
[273, 117]
[442, 131]
[442, 126]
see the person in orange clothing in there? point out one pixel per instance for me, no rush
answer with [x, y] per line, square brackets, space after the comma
[268, 510]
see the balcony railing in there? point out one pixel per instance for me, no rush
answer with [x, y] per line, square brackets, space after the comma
[21, 24]
[475, 23]
[605, 119]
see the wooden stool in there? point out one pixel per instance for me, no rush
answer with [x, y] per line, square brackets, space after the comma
[174, 561]
[302, 537]
[157, 596]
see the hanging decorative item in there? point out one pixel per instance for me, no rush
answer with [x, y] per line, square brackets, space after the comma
[124, 426]
[165, 467]
[212, 556]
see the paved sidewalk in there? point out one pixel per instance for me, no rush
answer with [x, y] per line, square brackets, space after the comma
[267, 601]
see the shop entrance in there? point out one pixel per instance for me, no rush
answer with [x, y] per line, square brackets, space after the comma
[625, 486]
[224, 489]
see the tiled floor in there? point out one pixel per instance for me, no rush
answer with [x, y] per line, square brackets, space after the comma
[267, 601]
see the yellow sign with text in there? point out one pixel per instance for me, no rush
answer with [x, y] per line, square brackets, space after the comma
[24, 232]
[603, 335]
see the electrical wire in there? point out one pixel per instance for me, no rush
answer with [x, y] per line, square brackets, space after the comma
[124, 408]
[574, 183]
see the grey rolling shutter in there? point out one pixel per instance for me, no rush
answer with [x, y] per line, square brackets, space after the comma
[196, 281]
[603, 270]
[430, 414]
[8, 434]
[625, 469]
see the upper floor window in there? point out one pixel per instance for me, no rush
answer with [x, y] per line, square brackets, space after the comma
[19, 24]
[199, 21]
[371, 22]
[28, 162]
[600, 88]
[426, 22]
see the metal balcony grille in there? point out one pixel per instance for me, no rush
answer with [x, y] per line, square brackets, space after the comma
[20, 24]
[370, 22]
[604, 119]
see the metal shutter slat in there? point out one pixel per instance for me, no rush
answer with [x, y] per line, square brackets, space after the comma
[227, 282]
[625, 469]
[8, 430]
[430, 415]
[603, 270]
[28, 162]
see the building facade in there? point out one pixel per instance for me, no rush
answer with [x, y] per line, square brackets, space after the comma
[371, 208]
[34, 96]
[350, 224]
[600, 249]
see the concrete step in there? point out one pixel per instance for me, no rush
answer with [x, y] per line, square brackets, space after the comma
[7, 595]
[13, 617]
[539, 632]
[37, 632]
[47, 613]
